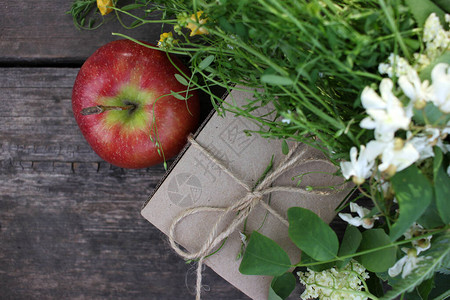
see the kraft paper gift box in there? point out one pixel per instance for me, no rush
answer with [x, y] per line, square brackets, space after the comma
[194, 180]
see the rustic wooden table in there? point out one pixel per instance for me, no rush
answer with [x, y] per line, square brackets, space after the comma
[70, 223]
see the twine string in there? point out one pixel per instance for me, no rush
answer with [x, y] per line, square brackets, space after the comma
[241, 208]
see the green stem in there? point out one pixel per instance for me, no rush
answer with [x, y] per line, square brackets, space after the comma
[395, 29]
[372, 250]
[96, 110]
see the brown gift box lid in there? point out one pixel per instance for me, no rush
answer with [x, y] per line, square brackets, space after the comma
[194, 180]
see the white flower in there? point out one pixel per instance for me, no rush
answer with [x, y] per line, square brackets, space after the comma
[422, 244]
[386, 113]
[397, 66]
[422, 145]
[406, 264]
[334, 284]
[288, 118]
[424, 141]
[367, 223]
[417, 91]
[422, 60]
[358, 168]
[396, 155]
[440, 76]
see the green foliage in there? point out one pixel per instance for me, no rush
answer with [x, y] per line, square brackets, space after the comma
[431, 115]
[181, 80]
[284, 147]
[350, 243]
[311, 58]
[311, 234]
[433, 259]
[414, 193]
[84, 14]
[264, 257]
[421, 9]
[380, 260]
[441, 186]
[282, 286]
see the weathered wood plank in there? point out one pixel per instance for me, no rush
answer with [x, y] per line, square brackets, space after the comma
[41, 31]
[70, 224]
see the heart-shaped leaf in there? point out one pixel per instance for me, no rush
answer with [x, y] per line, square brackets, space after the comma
[264, 257]
[311, 234]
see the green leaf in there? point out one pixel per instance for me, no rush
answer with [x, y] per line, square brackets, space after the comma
[441, 186]
[272, 295]
[421, 9]
[284, 147]
[425, 288]
[431, 114]
[414, 193]
[311, 234]
[276, 79]
[350, 243]
[443, 4]
[131, 6]
[181, 79]
[177, 95]
[264, 257]
[380, 260]
[226, 26]
[431, 218]
[206, 62]
[241, 31]
[282, 286]
[438, 254]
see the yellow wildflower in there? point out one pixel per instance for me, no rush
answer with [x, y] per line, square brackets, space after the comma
[166, 40]
[102, 6]
[195, 22]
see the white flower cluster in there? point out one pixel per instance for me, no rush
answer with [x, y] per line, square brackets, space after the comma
[331, 284]
[410, 261]
[387, 114]
[437, 40]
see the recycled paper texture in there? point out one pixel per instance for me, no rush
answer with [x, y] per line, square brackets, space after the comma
[196, 181]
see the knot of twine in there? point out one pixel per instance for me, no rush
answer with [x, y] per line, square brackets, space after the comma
[244, 205]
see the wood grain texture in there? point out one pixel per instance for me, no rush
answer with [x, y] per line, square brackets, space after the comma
[70, 224]
[41, 31]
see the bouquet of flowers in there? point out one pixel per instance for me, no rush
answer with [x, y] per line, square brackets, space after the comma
[366, 82]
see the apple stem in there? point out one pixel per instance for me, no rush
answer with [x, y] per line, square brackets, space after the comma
[95, 110]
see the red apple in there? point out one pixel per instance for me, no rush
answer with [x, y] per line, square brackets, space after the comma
[123, 105]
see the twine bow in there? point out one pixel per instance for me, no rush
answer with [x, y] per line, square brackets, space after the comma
[244, 205]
